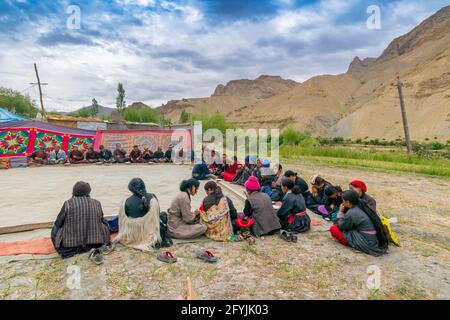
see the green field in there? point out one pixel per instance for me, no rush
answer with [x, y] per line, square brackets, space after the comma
[384, 160]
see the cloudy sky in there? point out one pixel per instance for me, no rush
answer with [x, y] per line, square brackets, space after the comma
[163, 50]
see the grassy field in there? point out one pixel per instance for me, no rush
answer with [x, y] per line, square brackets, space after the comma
[384, 160]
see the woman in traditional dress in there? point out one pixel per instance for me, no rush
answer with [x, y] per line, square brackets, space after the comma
[139, 217]
[360, 188]
[359, 229]
[183, 223]
[230, 170]
[292, 213]
[218, 213]
[258, 206]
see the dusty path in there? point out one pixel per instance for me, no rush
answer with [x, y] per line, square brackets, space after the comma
[314, 268]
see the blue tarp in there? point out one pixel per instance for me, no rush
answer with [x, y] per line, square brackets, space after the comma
[6, 116]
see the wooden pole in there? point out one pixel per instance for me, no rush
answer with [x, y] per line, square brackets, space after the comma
[44, 115]
[404, 116]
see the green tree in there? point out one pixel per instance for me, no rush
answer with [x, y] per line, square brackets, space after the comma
[120, 99]
[93, 110]
[16, 102]
[185, 117]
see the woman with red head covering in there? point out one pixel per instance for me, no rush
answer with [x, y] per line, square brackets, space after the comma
[360, 188]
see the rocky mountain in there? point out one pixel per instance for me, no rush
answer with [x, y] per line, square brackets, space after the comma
[235, 95]
[363, 102]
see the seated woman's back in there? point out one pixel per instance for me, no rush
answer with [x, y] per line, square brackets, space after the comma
[139, 217]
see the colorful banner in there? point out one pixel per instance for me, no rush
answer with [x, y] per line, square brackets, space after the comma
[15, 142]
[150, 138]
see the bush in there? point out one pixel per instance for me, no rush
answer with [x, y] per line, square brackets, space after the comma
[290, 136]
[213, 121]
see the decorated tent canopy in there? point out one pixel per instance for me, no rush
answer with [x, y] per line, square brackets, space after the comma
[21, 138]
[6, 116]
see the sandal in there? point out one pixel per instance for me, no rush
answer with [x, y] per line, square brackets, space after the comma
[166, 257]
[207, 256]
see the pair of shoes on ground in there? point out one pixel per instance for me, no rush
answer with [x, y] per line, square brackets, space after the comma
[204, 255]
[288, 236]
[96, 254]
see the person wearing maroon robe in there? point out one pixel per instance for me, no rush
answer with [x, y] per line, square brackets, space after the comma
[231, 171]
[76, 156]
[38, 157]
[136, 155]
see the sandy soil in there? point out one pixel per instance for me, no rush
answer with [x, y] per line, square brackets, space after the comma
[314, 268]
[36, 194]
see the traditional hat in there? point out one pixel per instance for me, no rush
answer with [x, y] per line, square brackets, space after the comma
[359, 184]
[252, 184]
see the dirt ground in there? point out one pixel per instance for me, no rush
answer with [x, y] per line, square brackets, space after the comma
[314, 268]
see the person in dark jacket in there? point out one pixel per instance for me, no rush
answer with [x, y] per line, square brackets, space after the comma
[158, 155]
[292, 213]
[147, 154]
[333, 202]
[360, 188]
[355, 228]
[91, 155]
[301, 184]
[258, 206]
[120, 155]
[105, 155]
[168, 154]
[80, 226]
[201, 171]
[318, 195]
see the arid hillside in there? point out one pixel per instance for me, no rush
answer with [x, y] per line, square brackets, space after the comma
[360, 103]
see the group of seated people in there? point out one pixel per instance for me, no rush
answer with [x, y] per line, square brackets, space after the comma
[141, 223]
[76, 156]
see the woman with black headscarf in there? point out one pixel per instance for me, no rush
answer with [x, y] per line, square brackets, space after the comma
[139, 218]
[357, 228]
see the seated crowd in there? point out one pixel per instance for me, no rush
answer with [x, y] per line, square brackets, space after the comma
[76, 156]
[276, 203]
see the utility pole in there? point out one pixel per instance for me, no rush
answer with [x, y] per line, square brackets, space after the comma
[44, 115]
[404, 116]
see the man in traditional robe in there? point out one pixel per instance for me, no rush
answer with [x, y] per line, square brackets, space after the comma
[136, 155]
[38, 157]
[76, 156]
